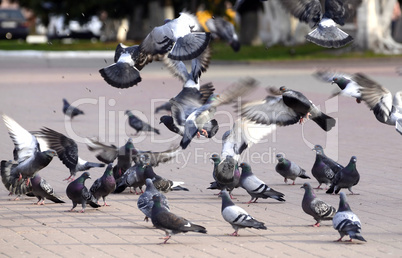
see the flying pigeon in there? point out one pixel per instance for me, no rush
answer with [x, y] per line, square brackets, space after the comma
[145, 201]
[236, 216]
[326, 33]
[255, 187]
[179, 39]
[324, 168]
[315, 207]
[289, 170]
[386, 109]
[345, 178]
[346, 84]
[43, 190]
[71, 111]
[29, 157]
[67, 151]
[104, 185]
[289, 108]
[346, 222]
[78, 193]
[167, 221]
[139, 125]
[224, 30]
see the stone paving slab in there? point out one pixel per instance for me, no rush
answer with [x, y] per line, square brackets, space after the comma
[33, 97]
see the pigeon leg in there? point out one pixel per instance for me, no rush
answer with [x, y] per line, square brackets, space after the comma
[319, 186]
[104, 202]
[235, 233]
[198, 135]
[146, 219]
[339, 240]
[20, 177]
[69, 179]
[350, 190]
[166, 238]
[316, 225]
[72, 209]
[204, 132]
[293, 182]
[285, 180]
[27, 183]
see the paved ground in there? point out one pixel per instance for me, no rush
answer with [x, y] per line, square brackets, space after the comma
[31, 91]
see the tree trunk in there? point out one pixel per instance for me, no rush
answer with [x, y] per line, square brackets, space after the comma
[374, 27]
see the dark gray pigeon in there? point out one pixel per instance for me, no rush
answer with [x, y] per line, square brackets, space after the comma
[324, 168]
[346, 222]
[104, 185]
[289, 169]
[67, 151]
[326, 33]
[133, 177]
[78, 193]
[255, 187]
[19, 188]
[43, 190]
[167, 221]
[139, 125]
[29, 157]
[236, 216]
[71, 111]
[315, 207]
[345, 178]
[289, 108]
[223, 30]
[145, 201]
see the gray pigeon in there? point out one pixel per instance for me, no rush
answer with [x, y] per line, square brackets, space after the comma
[133, 177]
[29, 157]
[71, 111]
[167, 221]
[104, 185]
[289, 169]
[326, 33]
[145, 201]
[139, 125]
[42, 190]
[324, 168]
[21, 187]
[346, 222]
[226, 173]
[345, 178]
[78, 193]
[315, 207]
[224, 30]
[236, 216]
[255, 187]
[67, 151]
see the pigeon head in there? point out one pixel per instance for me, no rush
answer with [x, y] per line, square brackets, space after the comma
[341, 81]
[283, 89]
[149, 184]
[279, 157]
[215, 158]
[318, 149]
[226, 200]
[166, 120]
[343, 203]
[245, 167]
[85, 175]
[109, 169]
[157, 199]
[308, 189]
[128, 112]
[50, 153]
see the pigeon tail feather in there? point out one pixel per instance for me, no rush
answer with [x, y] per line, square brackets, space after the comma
[121, 75]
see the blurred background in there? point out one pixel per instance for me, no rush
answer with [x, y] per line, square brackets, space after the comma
[376, 26]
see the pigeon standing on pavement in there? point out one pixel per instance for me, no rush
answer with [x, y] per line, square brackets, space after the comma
[326, 33]
[345, 178]
[78, 193]
[43, 190]
[145, 201]
[133, 177]
[324, 168]
[346, 222]
[71, 111]
[289, 170]
[167, 221]
[255, 187]
[138, 124]
[315, 207]
[67, 151]
[236, 216]
[104, 185]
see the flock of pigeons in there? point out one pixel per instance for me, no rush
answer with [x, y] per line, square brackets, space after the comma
[192, 115]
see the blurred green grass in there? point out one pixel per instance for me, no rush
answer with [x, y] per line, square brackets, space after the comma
[220, 50]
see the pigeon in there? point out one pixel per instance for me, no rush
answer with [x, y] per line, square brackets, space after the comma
[78, 193]
[345, 178]
[153, 158]
[43, 190]
[133, 177]
[67, 151]
[289, 108]
[315, 207]
[326, 33]
[324, 168]
[226, 174]
[29, 157]
[386, 108]
[224, 30]
[165, 106]
[255, 187]
[163, 184]
[138, 124]
[236, 216]
[71, 111]
[289, 169]
[20, 187]
[346, 222]
[169, 222]
[347, 85]
[145, 201]
[104, 185]
[179, 39]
